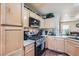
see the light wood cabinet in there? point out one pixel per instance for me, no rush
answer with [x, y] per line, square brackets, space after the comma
[30, 53]
[12, 40]
[11, 14]
[42, 23]
[77, 50]
[69, 48]
[56, 44]
[25, 17]
[60, 44]
[51, 43]
[18, 52]
[0, 30]
[0, 40]
[49, 23]
[32, 14]
[29, 50]
[38, 17]
[72, 47]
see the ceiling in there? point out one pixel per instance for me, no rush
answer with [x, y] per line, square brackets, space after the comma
[63, 9]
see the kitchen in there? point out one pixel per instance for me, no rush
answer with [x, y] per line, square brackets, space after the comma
[39, 29]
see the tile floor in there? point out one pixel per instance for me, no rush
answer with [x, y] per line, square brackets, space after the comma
[52, 53]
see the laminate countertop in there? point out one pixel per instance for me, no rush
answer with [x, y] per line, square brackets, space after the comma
[60, 36]
[27, 42]
[73, 38]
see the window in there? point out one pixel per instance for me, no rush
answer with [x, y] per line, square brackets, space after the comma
[65, 29]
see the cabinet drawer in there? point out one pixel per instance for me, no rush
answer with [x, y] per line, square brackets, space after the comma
[30, 52]
[31, 46]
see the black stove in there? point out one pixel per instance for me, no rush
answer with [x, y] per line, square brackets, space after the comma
[39, 42]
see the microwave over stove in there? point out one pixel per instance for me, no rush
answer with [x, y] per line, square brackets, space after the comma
[33, 22]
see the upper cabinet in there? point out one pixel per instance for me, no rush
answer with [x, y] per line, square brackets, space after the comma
[32, 14]
[25, 19]
[11, 14]
[42, 23]
[49, 23]
[37, 17]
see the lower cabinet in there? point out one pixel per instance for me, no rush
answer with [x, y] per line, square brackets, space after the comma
[12, 40]
[77, 50]
[72, 47]
[51, 43]
[0, 40]
[56, 44]
[29, 50]
[67, 45]
[60, 45]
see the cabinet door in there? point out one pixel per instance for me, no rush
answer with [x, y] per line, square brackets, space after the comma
[60, 44]
[47, 23]
[12, 39]
[25, 17]
[77, 50]
[69, 48]
[29, 50]
[32, 14]
[11, 14]
[30, 53]
[19, 52]
[42, 23]
[51, 43]
[0, 40]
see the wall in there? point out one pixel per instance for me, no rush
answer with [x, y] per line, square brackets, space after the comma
[72, 25]
[54, 23]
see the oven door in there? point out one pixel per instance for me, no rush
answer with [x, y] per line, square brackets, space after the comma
[40, 49]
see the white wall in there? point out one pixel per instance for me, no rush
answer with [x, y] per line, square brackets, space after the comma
[72, 25]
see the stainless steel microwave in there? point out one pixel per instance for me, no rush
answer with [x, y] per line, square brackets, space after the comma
[33, 22]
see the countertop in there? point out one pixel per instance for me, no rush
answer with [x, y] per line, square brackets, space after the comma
[60, 36]
[27, 42]
[66, 38]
